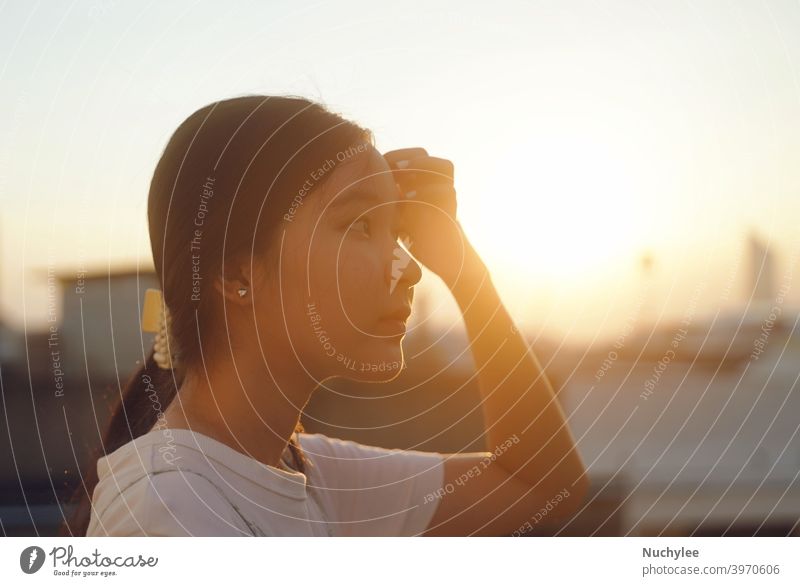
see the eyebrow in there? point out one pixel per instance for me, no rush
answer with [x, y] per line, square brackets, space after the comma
[355, 196]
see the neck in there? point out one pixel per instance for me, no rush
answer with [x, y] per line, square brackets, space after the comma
[247, 406]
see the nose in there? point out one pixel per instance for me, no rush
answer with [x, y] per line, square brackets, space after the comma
[403, 270]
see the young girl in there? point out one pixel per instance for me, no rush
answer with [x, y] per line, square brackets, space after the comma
[275, 228]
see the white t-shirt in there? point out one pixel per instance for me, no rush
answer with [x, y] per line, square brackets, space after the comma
[180, 482]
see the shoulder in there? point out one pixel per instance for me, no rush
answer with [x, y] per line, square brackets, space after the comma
[375, 490]
[322, 449]
[317, 443]
[167, 503]
[341, 448]
[334, 457]
[333, 445]
[146, 494]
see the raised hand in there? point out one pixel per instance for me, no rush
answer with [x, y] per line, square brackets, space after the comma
[428, 211]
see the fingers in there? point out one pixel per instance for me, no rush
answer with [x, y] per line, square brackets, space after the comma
[398, 156]
[423, 198]
[424, 171]
[429, 167]
[423, 179]
[411, 161]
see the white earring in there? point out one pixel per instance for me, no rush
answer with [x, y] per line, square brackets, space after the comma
[242, 292]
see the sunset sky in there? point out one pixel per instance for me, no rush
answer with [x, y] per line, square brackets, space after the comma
[584, 134]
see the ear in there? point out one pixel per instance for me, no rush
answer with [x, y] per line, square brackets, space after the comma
[235, 284]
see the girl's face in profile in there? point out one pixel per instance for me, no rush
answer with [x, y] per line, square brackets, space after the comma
[346, 284]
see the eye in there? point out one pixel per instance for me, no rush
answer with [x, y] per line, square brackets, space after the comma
[361, 225]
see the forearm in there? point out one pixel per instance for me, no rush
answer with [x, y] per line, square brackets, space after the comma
[517, 397]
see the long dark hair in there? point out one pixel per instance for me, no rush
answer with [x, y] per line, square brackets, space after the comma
[230, 171]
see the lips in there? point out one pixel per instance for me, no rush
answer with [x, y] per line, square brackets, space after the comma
[398, 315]
[393, 325]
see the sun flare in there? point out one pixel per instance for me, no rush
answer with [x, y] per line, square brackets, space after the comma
[557, 207]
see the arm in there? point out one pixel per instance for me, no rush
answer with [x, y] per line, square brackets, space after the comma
[534, 463]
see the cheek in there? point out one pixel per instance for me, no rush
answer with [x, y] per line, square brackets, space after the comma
[343, 279]
[360, 279]
[346, 283]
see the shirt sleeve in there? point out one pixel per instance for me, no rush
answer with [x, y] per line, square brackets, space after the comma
[168, 504]
[374, 491]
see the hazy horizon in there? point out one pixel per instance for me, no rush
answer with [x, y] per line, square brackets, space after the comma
[610, 132]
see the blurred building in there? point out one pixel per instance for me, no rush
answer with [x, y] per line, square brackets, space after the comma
[694, 423]
[101, 320]
[59, 385]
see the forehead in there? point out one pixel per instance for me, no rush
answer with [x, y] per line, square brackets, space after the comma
[366, 171]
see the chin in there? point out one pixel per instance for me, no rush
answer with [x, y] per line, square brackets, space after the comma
[373, 365]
